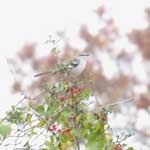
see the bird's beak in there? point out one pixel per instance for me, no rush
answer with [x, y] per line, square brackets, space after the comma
[85, 54]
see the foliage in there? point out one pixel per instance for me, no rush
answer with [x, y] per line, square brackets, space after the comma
[63, 119]
[5, 130]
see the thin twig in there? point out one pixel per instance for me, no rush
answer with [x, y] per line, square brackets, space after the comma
[78, 143]
[118, 102]
[11, 70]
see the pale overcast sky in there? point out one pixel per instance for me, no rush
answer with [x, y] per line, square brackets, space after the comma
[33, 20]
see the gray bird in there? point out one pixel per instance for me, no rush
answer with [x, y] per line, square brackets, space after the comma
[73, 67]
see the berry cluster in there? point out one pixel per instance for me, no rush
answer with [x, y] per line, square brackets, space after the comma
[54, 128]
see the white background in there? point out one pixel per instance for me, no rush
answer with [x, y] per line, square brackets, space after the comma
[23, 21]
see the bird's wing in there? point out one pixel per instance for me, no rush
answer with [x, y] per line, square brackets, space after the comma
[63, 67]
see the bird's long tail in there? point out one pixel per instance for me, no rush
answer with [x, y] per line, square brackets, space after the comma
[43, 73]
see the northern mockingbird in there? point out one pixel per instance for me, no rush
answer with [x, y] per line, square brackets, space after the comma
[73, 67]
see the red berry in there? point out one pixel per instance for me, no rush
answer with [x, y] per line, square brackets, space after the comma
[71, 89]
[75, 90]
[50, 128]
[116, 147]
[78, 102]
[59, 131]
[66, 131]
[103, 117]
[71, 117]
[62, 98]
[54, 126]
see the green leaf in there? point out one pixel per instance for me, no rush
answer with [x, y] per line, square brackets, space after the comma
[5, 130]
[41, 123]
[40, 109]
[94, 145]
[86, 124]
[75, 133]
[65, 114]
[28, 118]
[30, 104]
[50, 110]
[33, 132]
[47, 99]
[98, 128]
[85, 132]
[63, 117]
[78, 118]
[16, 115]
[85, 94]
[130, 148]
